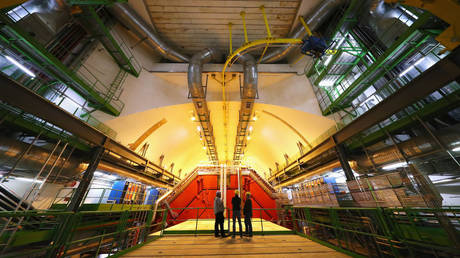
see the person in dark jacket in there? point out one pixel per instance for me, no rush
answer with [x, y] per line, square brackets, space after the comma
[247, 211]
[236, 208]
[219, 213]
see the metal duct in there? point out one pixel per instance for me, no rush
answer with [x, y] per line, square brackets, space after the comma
[128, 17]
[198, 96]
[248, 95]
[314, 20]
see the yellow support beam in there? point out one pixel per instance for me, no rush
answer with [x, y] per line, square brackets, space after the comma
[262, 8]
[146, 134]
[9, 3]
[447, 10]
[243, 15]
[230, 36]
[305, 26]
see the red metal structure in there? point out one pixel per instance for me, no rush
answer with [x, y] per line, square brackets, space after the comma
[201, 188]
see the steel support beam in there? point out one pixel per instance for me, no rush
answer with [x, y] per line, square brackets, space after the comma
[341, 154]
[82, 188]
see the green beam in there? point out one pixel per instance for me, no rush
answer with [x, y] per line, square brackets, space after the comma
[397, 45]
[93, 23]
[36, 53]
[328, 67]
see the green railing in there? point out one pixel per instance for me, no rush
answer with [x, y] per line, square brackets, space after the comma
[382, 232]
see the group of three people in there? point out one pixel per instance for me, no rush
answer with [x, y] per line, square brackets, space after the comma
[236, 211]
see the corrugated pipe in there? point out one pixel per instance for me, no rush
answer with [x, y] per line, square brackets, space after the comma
[128, 17]
[198, 96]
[314, 20]
[248, 96]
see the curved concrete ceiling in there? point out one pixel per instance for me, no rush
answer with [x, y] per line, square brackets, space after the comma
[180, 143]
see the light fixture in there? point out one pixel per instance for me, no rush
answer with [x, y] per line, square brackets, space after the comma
[20, 66]
[411, 67]
[395, 165]
[248, 137]
[456, 149]
[193, 118]
[204, 147]
[250, 128]
[254, 118]
[198, 128]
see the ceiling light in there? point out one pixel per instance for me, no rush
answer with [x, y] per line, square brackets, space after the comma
[254, 118]
[20, 66]
[250, 128]
[204, 147]
[193, 118]
[456, 149]
[395, 166]
[198, 128]
[248, 137]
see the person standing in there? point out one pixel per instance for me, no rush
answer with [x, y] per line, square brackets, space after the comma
[247, 211]
[236, 210]
[219, 213]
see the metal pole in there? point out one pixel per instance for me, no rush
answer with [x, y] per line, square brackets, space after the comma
[243, 14]
[269, 34]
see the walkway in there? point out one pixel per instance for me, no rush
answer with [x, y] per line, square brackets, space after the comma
[258, 246]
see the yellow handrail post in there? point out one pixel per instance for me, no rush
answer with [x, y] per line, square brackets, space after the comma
[230, 35]
[243, 14]
[262, 8]
[305, 26]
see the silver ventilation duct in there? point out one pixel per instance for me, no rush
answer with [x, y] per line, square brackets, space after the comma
[128, 17]
[198, 96]
[248, 95]
[314, 20]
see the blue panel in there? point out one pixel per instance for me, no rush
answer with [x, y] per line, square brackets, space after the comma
[152, 197]
[117, 191]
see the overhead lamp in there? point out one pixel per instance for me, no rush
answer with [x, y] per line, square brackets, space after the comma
[248, 137]
[198, 128]
[456, 149]
[250, 128]
[411, 67]
[395, 166]
[193, 118]
[20, 66]
[204, 147]
[254, 118]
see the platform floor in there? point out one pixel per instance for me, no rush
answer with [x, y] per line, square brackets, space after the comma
[207, 226]
[257, 246]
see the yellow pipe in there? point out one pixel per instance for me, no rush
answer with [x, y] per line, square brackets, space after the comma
[305, 26]
[256, 43]
[227, 62]
[230, 35]
[243, 14]
[263, 53]
[262, 8]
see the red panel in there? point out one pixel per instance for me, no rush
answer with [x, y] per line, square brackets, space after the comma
[201, 192]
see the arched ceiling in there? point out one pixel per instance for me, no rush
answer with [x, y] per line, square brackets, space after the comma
[179, 140]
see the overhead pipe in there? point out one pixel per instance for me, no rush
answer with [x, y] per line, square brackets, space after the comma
[314, 20]
[198, 96]
[248, 96]
[131, 19]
